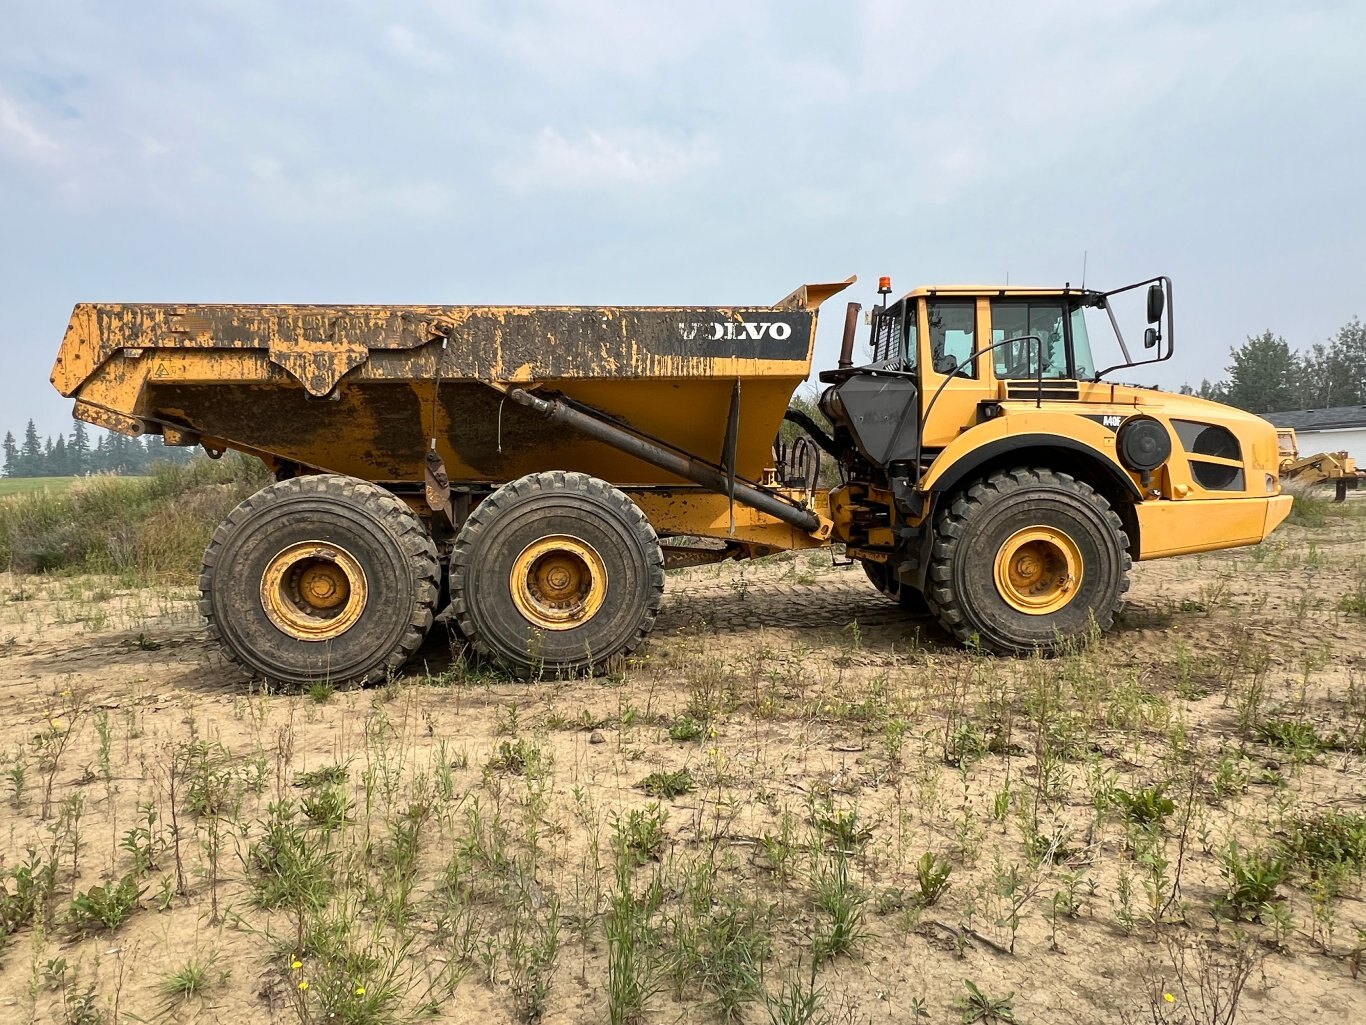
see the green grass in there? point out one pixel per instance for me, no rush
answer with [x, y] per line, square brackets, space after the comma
[152, 527]
[23, 485]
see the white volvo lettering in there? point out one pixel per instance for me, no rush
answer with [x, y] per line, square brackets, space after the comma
[735, 331]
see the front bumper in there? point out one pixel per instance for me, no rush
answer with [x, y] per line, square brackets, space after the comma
[1205, 525]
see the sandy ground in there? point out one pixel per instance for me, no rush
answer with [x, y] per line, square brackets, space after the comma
[818, 697]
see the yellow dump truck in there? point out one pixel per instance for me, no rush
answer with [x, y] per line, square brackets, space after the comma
[535, 469]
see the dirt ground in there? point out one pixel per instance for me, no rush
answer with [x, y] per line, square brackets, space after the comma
[499, 852]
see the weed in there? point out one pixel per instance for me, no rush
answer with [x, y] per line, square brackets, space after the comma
[667, 785]
[686, 728]
[519, 757]
[327, 808]
[844, 832]
[977, 1006]
[1301, 739]
[630, 968]
[1146, 807]
[328, 775]
[1231, 777]
[26, 890]
[640, 836]
[841, 902]
[1251, 880]
[1327, 843]
[798, 998]
[144, 843]
[932, 873]
[192, 979]
[104, 907]
[1354, 602]
[719, 941]
[288, 869]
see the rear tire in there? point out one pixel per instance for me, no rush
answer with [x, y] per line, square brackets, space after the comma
[908, 597]
[1027, 560]
[319, 579]
[556, 574]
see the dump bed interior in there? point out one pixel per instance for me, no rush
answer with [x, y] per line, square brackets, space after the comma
[363, 390]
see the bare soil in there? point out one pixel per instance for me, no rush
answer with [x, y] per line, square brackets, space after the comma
[835, 734]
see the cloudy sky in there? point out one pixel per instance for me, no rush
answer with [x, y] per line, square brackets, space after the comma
[587, 151]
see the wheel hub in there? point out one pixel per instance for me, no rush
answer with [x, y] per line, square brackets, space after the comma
[558, 582]
[314, 591]
[1038, 570]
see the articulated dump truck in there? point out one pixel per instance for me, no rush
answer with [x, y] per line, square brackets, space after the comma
[534, 470]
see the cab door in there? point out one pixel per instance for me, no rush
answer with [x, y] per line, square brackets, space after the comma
[955, 376]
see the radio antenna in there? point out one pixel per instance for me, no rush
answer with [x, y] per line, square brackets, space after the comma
[1083, 270]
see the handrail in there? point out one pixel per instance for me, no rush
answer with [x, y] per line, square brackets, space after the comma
[925, 419]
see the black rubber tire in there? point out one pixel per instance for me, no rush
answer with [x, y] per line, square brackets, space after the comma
[969, 531]
[524, 511]
[383, 535]
[908, 597]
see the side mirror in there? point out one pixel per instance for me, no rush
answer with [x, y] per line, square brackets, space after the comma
[1157, 302]
[1150, 336]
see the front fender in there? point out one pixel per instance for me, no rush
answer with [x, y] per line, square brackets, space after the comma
[1070, 435]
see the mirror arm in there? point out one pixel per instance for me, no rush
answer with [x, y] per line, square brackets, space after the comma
[1171, 333]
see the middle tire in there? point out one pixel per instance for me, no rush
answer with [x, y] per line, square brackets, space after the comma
[556, 573]
[908, 597]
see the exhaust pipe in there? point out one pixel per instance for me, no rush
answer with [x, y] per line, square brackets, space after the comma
[850, 327]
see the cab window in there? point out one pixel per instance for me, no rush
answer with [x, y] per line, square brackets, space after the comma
[1018, 320]
[953, 335]
[910, 338]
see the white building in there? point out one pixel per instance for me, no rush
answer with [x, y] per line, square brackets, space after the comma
[1327, 430]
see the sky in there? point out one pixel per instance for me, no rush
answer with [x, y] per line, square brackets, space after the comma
[596, 152]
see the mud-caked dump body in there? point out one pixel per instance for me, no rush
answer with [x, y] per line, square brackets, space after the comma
[366, 390]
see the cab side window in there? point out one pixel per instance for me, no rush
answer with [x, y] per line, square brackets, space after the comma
[1042, 320]
[953, 335]
[910, 338]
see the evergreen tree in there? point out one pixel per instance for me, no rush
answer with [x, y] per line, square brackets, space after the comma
[58, 465]
[11, 455]
[78, 449]
[31, 455]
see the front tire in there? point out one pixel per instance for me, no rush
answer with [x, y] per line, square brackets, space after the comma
[1027, 560]
[319, 579]
[556, 574]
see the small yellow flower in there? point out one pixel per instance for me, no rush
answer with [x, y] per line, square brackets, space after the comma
[297, 965]
[360, 991]
[304, 984]
[1169, 998]
[58, 725]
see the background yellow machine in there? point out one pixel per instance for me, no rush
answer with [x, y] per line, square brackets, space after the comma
[1336, 468]
[522, 464]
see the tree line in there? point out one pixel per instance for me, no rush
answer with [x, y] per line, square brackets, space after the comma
[73, 455]
[1266, 376]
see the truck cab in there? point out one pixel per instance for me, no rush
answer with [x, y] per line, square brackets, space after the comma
[996, 478]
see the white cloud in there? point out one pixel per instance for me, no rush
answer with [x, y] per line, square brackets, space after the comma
[409, 47]
[22, 134]
[629, 158]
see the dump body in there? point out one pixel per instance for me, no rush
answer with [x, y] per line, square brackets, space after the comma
[364, 390]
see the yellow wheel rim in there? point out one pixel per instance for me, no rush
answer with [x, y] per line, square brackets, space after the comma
[559, 582]
[314, 591]
[1038, 570]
